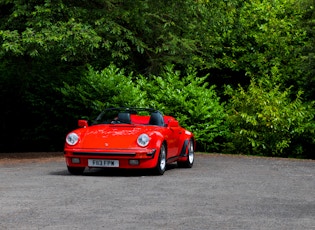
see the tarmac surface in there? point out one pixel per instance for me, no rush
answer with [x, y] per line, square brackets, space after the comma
[219, 192]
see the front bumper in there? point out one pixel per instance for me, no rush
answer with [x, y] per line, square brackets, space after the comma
[146, 157]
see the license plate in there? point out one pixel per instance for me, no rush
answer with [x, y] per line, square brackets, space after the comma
[103, 163]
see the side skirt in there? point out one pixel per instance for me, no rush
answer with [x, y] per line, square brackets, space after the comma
[172, 159]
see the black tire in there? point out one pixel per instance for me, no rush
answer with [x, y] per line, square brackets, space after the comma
[161, 164]
[188, 163]
[76, 170]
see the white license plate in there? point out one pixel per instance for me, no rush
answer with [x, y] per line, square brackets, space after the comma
[103, 163]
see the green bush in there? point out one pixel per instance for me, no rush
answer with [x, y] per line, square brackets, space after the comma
[191, 101]
[266, 121]
[187, 98]
[101, 89]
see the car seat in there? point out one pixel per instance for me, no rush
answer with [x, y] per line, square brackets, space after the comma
[156, 118]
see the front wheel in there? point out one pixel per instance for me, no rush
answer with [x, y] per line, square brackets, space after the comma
[161, 164]
[76, 170]
[188, 163]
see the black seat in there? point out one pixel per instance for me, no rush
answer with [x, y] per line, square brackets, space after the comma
[124, 118]
[156, 118]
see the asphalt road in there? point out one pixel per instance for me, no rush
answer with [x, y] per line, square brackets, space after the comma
[219, 192]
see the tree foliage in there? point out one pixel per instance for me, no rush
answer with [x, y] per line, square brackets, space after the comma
[259, 39]
[124, 32]
[55, 55]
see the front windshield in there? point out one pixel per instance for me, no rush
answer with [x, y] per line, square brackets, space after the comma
[106, 117]
[119, 115]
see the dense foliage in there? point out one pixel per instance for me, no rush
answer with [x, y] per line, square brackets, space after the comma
[189, 99]
[265, 121]
[231, 71]
[186, 97]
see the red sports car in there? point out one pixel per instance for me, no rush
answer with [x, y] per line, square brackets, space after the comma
[130, 138]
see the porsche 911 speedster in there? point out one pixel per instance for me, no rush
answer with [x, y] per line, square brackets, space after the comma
[129, 138]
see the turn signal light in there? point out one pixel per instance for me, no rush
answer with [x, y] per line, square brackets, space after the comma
[134, 162]
[75, 160]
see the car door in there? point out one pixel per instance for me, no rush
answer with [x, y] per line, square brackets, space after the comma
[174, 132]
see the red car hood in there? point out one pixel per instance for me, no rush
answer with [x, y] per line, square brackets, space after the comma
[113, 136]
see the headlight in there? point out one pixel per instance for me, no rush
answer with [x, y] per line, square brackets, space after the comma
[72, 138]
[143, 140]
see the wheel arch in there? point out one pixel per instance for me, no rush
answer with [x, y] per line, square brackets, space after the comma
[184, 148]
[164, 142]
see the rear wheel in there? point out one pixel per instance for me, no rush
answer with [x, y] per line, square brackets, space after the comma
[76, 170]
[188, 163]
[161, 164]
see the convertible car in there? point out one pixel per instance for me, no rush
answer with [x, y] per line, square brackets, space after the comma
[129, 138]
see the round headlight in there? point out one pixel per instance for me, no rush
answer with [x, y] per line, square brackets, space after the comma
[143, 140]
[72, 138]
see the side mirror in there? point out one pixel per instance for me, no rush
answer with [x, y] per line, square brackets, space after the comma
[173, 124]
[83, 123]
